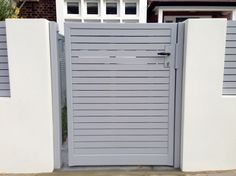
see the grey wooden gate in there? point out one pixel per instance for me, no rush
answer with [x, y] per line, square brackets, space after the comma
[120, 93]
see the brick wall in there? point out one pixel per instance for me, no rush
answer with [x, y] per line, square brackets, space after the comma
[39, 9]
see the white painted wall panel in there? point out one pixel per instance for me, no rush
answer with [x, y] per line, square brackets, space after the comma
[26, 128]
[208, 127]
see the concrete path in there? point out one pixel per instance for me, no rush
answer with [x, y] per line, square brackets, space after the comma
[129, 173]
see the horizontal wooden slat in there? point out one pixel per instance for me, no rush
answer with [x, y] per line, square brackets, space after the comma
[3, 52]
[112, 39]
[121, 100]
[114, 119]
[120, 73]
[121, 26]
[158, 150]
[229, 77]
[4, 86]
[118, 67]
[119, 125]
[230, 58]
[118, 53]
[230, 44]
[2, 30]
[3, 66]
[231, 24]
[120, 80]
[4, 72]
[120, 87]
[230, 51]
[121, 93]
[122, 132]
[121, 113]
[231, 30]
[230, 37]
[2, 24]
[119, 144]
[3, 38]
[115, 46]
[3, 59]
[230, 84]
[230, 64]
[3, 45]
[4, 93]
[4, 79]
[119, 32]
[120, 106]
[123, 86]
[229, 91]
[230, 72]
[120, 138]
[126, 61]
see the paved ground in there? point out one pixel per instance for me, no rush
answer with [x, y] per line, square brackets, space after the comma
[121, 171]
[128, 173]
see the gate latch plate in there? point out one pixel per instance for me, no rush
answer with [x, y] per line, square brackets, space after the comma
[166, 54]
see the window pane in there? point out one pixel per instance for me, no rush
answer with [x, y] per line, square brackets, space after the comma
[72, 7]
[92, 8]
[130, 8]
[111, 8]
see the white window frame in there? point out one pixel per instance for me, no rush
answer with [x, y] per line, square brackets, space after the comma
[161, 9]
[99, 8]
[72, 15]
[118, 8]
[137, 8]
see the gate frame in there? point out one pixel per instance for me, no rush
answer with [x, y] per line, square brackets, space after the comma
[179, 53]
[56, 94]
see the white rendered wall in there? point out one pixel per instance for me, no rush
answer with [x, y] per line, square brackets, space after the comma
[209, 119]
[26, 128]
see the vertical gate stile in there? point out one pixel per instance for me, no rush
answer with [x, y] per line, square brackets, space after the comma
[69, 94]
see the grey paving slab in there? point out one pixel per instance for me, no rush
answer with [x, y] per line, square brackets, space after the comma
[137, 172]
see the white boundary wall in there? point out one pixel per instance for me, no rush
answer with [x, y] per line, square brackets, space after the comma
[209, 119]
[26, 128]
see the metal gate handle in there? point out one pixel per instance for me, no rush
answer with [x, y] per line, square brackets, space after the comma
[163, 54]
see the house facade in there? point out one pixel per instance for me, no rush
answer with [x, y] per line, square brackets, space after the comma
[38, 9]
[168, 11]
[101, 11]
[127, 11]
